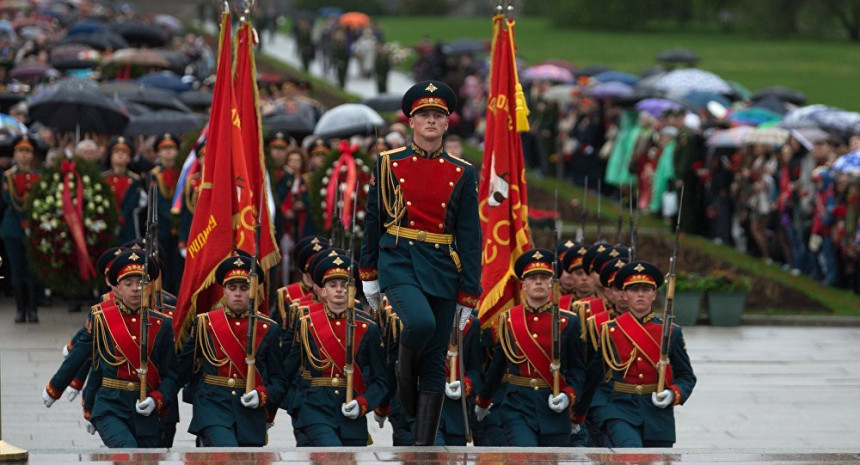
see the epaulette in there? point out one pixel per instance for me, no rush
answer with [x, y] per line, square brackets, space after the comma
[163, 315]
[266, 319]
[392, 151]
[459, 159]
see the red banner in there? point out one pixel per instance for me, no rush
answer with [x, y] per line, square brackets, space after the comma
[502, 192]
[73, 212]
[211, 237]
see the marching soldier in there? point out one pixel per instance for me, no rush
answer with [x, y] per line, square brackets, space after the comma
[636, 414]
[224, 414]
[125, 186]
[190, 194]
[422, 215]
[166, 175]
[18, 182]
[573, 278]
[452, 429]
[119, 416]
[326, 418]
[531, 415]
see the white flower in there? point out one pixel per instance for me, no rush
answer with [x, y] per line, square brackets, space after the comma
[99, 226]
[86, 178]
[359, 215]
[325, 180]
[328, 171]
[90, 205]
[88, 222]
[99, 198]
[45, 226]
[37, 203]
[100, 210]
[98, 187]
[322, 192]
[56, 177]
[54, 223]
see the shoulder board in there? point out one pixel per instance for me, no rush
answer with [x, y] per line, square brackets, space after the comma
[97, 308]
[159, 314]
[568, 313]
[365, 318]
[459, 159]
[392, 151]
[266, 319]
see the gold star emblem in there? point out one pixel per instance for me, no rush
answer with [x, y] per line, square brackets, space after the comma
[430, 88]
[167, 136]
[120, 140]
[337, 261]
[639, 268]
[117, 252]
[238, 262]
[333, 253]
[568, 244]
[614, 253]
[134, 257]
[537, 255]
[601, 248]
[619, 264]
[316, 247]
[582, 251]
[315, 240]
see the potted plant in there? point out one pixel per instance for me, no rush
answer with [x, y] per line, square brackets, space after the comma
[689, 290]
[726, 297]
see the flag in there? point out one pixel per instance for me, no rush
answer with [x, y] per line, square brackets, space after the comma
[189, 167]
[247, 99]
[211, 236]
[503, 206]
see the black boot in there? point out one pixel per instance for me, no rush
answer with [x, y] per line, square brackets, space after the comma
[32, 309]
[407, 379]
[20, 316]
[427, 420]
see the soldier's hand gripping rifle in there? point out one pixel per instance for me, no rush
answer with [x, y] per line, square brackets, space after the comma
[251, 339]
[146, 289]
[457, 368]
[668, 307]
[556, 313]
[349, 369]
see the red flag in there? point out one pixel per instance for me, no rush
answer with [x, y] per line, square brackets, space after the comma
[247, 99]
[211, 237]
[502, 191]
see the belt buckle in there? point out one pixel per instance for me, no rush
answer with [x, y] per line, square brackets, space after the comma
[131, 386]
[639, 389]
[421, 236]
[534, 384]
[231, 382]
[335, 382]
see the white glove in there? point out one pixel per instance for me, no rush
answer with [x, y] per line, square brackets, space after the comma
[380, 420]
[481, 412]
[250, 399]
[662, 399]
[371, 293]
[453, 391]
[574, 428]
[65, 351]
[269, 425]
[350, 410]
[146, 407]
[48, 400]
[183, 251]
[71, 393]
[464, 313]
[558, 403]
[89, 427]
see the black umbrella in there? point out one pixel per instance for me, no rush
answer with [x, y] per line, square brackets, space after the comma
[8, 99]
[465, 46]
[347, 120]
[156, 99]
[196, 99]
[783, 93]
[384, 102]
[592, 70]
[138, 34]
[83, 110]
[297, 125]
[678, 55]
[159, 122]
[772, 103]
[97, 40]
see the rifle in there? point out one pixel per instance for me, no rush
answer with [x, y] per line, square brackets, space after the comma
[146, 291]
[251, 339]
[349, 369]
[153, 238]
[456, 367]
[337, 226]
[555, 366]
[634, 224]
[599, 195]
[580, 233]
[668, 306]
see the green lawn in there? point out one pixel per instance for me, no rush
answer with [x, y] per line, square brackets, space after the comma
[826, 70]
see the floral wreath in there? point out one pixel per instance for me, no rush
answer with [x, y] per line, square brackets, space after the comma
[72, 221]
[353, 165]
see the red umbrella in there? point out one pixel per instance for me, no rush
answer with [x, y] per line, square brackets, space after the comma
[32, 72]
[354, 19]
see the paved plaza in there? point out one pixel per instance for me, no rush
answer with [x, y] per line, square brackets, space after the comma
[759, 387]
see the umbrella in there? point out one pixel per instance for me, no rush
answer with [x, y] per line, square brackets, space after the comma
[616, 76]
[547, 72]
[728, 138]
[847, 122]
[560, 63]
[783, 93]
[8, 99]
[164, 80]
[329, 11]
[161, 121]
[809, 136]
[384, 102]
[138, 34]
[465, 46]
[561, 94]
[592, 70]
[171, 24]
[773, 104]
[848, 163]
[754, 116]
[177, 61]
[701, 98]
[348, 120]
[297, 125]
[32, 72]
[354, 19]
[610, 90]
[12, 125]
[657, 106]
[87, 111]
[805, 117]
[111, 88]
[682, 81]
[766, 136]
[70, 56]
[98, 40]
[196, 99]
[137, 56]
[678, 55]
[156, 99]
[86, 26]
